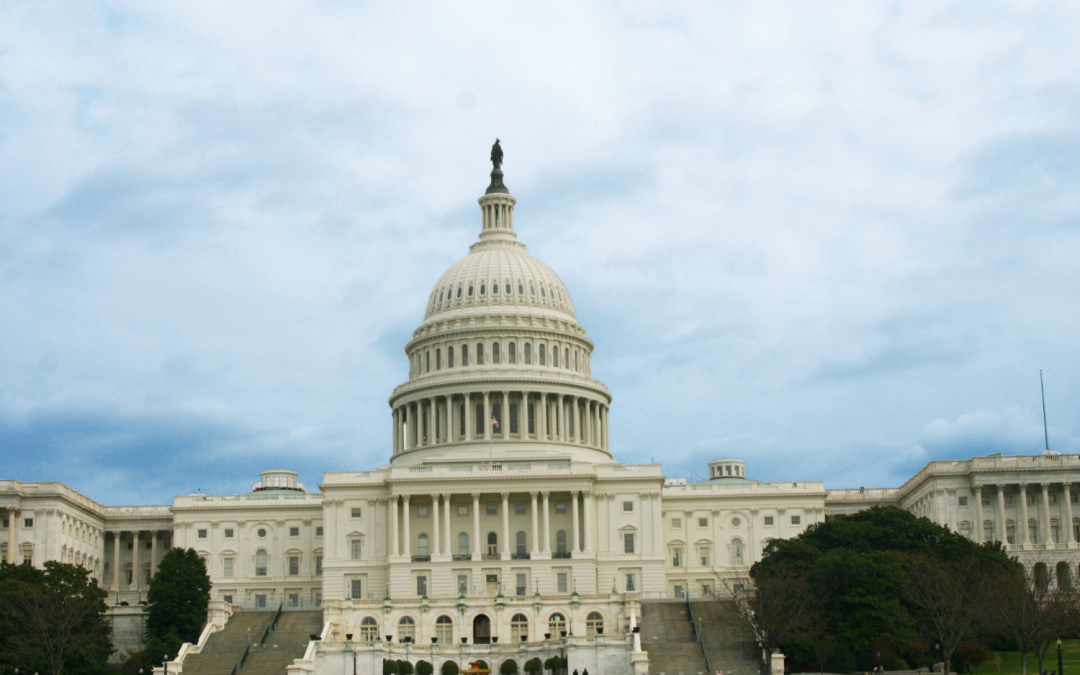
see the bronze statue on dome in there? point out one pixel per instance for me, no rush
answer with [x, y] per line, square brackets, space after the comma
[496, 154]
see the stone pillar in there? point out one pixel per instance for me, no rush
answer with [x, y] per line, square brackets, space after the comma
[469, 416]
[564, 426]
[476, 515]
[446, 523]
[135, 558]
[504, 423]
[1023, 514]
[535, 526]
[430, 440]
[394, 547]
[588, 499]
[546, 548]
[451, 421]
[604, 428]
[406, 517]
[596, 425]
[1002, 531]
[526, 416]
[396, 433]
[505, 548]
[116, 560]
[437, 544]
[153, 553]
[487, 416]
[541, 419]
[12, 537]
[574, 509]
[1069, 538]
[576, 402]
[658, 523]
[1046, 513]
[978, 513]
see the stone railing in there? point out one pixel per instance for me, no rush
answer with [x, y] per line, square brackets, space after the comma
[863, 494]
[749, 486]
[202, 500]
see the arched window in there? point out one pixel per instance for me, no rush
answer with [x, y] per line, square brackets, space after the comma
[463, 543]
[1042, 578]
[369, 629]
[556, 625]
[520, 543]
[519, 628]
[444, 630]
[464, 355]
[493, 544]
[406, 629]
[480, 421]
[483, 288]
[511, 352]
[513, 418]
[575, 360]
[495, 288]
[470, 290]
[508, 288]
[566, 358]
[532, 290]
[736, 552]
[260, 562]
[521, 289]
[479, 353]
[1064, 576]
[560, 541]
[459, 292]
[594, 624]
[543, 359]
[438, 359]
[528, 353]
[449, 357]
[422, 545]
[543, 292]
[495, 353]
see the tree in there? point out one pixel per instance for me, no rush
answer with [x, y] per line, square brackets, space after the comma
[424, 668]
[775, 608]
[533, 665]
[404, 668]
[53, 620]
[449, 668]
[178, 596]
[508, 667]
[943, 597]
[389, 667]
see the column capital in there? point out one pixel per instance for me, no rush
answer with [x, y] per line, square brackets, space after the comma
[476, 496]
[533, 493]
[545, 493]
[575, 493]
[505, 495]
[586, 494]
[406, 498]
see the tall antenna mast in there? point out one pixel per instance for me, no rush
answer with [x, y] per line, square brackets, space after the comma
[1046, 434]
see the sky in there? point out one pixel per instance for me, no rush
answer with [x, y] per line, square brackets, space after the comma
[835, 239]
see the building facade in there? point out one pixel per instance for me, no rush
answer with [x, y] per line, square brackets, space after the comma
[502, 514]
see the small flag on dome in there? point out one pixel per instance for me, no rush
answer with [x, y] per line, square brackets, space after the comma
[494, 422]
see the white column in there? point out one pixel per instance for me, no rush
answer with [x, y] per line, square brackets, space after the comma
[504, 423]
[978, 513]
[449, 543]
[135, 558]
[525, 415]
[541, 418]
[588, 499]
[430, 422]
[535, 526]
[451, 425]
[547, 523]
[586, 419]
[476, 514]
[437, 544]
[469, 416]
[1002, 532]
[1069, 538]
[487, 416]
[1023, 526]
[12, 537]
[574, 500]
[116, 560]
[505, 549]
[406, 515]
[1046, 513]
[596, 425]
[394, 541]
[658, 523]
[153, 552]
[394, 422]
[564, 426]
[574, 401]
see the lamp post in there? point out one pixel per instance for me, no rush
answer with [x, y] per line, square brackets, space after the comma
[1061, 665]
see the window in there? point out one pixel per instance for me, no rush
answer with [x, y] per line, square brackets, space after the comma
[561, 585]
[796, 520]
[627, 507]
[631, 586]
[513, 417]
[703, 556]
[676, 523]
[294, 599]
[988, 531]
[202, 534]
[422, 545]
[421, 585]
[406, 629]
[463, 510]
[318, 564]
[511, 352]
[528, 353]
[1031, 500]
[519, 628]
[702, 522]
[479, 353]
[1033, 532]
[1055, 534]
[227, 599]
[735, 522]
[555, 357]
[520, 543]
[28, 523]
[679, 592]
[470, 290]
[1010, 533]
[560, 508]
[768, 520]
[356, 545]
[294, 531]
[260, 601]
[369, 629]
[495, 355]
[543, 359]
[356, 588]
[294, 565]
[464, 355]
[422, 511]
[444, 630]
[260, 563]
[227, 567]
[676, 557]
[483, 289]
[519, 586]
[560, 541]
[438, 359]
[1053, 498]
[492, 510]
[628, 542]
[228, 533]
[556, 624]
[594, 624]
[318, 531]
[463, 583]
[318, 599]
[986, 501]
[1008, 500]
[963, 501]
[463, 544]
[492, 543]
[736, 552]
[519, 509]
[449, 357]
[356, 512]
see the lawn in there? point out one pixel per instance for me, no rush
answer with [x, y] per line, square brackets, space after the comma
[1008, 663]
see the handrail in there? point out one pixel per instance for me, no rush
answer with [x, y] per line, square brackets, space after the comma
[697, 633]
[273, 622]
[239, 663]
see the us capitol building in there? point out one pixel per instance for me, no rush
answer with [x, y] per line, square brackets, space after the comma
[503, 526]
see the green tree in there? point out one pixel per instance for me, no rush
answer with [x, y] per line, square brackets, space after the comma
[549, 663]
[508, 667]
[404, 668]
[53, 620]
[533, 666]
[424, 668]
[449, 668]
[389, 667]
[178, 596]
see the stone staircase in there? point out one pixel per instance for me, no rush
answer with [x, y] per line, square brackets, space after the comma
[668, 636]
[223, 648]
[285, 644]
[730, 648]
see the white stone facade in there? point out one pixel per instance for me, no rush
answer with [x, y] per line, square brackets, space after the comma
[502, 517]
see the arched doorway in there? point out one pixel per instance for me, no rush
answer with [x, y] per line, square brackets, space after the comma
[481, 630]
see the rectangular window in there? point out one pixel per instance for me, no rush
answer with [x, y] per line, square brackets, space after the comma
[1055, 534]
[628, 543]
[294, 565]
[357, 513]
[520, 585]
[28, 523]
[676, 523]
[963, 501]
[463, 510]
[561, 584]
[356, 549]
[988, 532]
[227, 567]
[702, 522]
[630, 585]
[294, 531]
[492, 510]
[679, 592]
[318, 599]
[294, 599]
[1076, 532]
[202, 534]
[796, 520]
[228, 533]
[703, 555]
[560, 508]
[1075, 498]
[1053, 499]
[260, 601]
[1008, 500]
[318, 531]
[318, 564]
[355, 589]
[513, 418]
[986, 501]
[1031, 500]
[627, 507]
[421, 585]
[227, 599]
[768, 520]
[676, 557]
[1010, 534]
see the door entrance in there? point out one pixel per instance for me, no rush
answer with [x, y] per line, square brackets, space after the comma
[481, 630]
[492, 584]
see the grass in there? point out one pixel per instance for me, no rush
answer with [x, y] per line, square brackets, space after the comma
[1008, 663]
